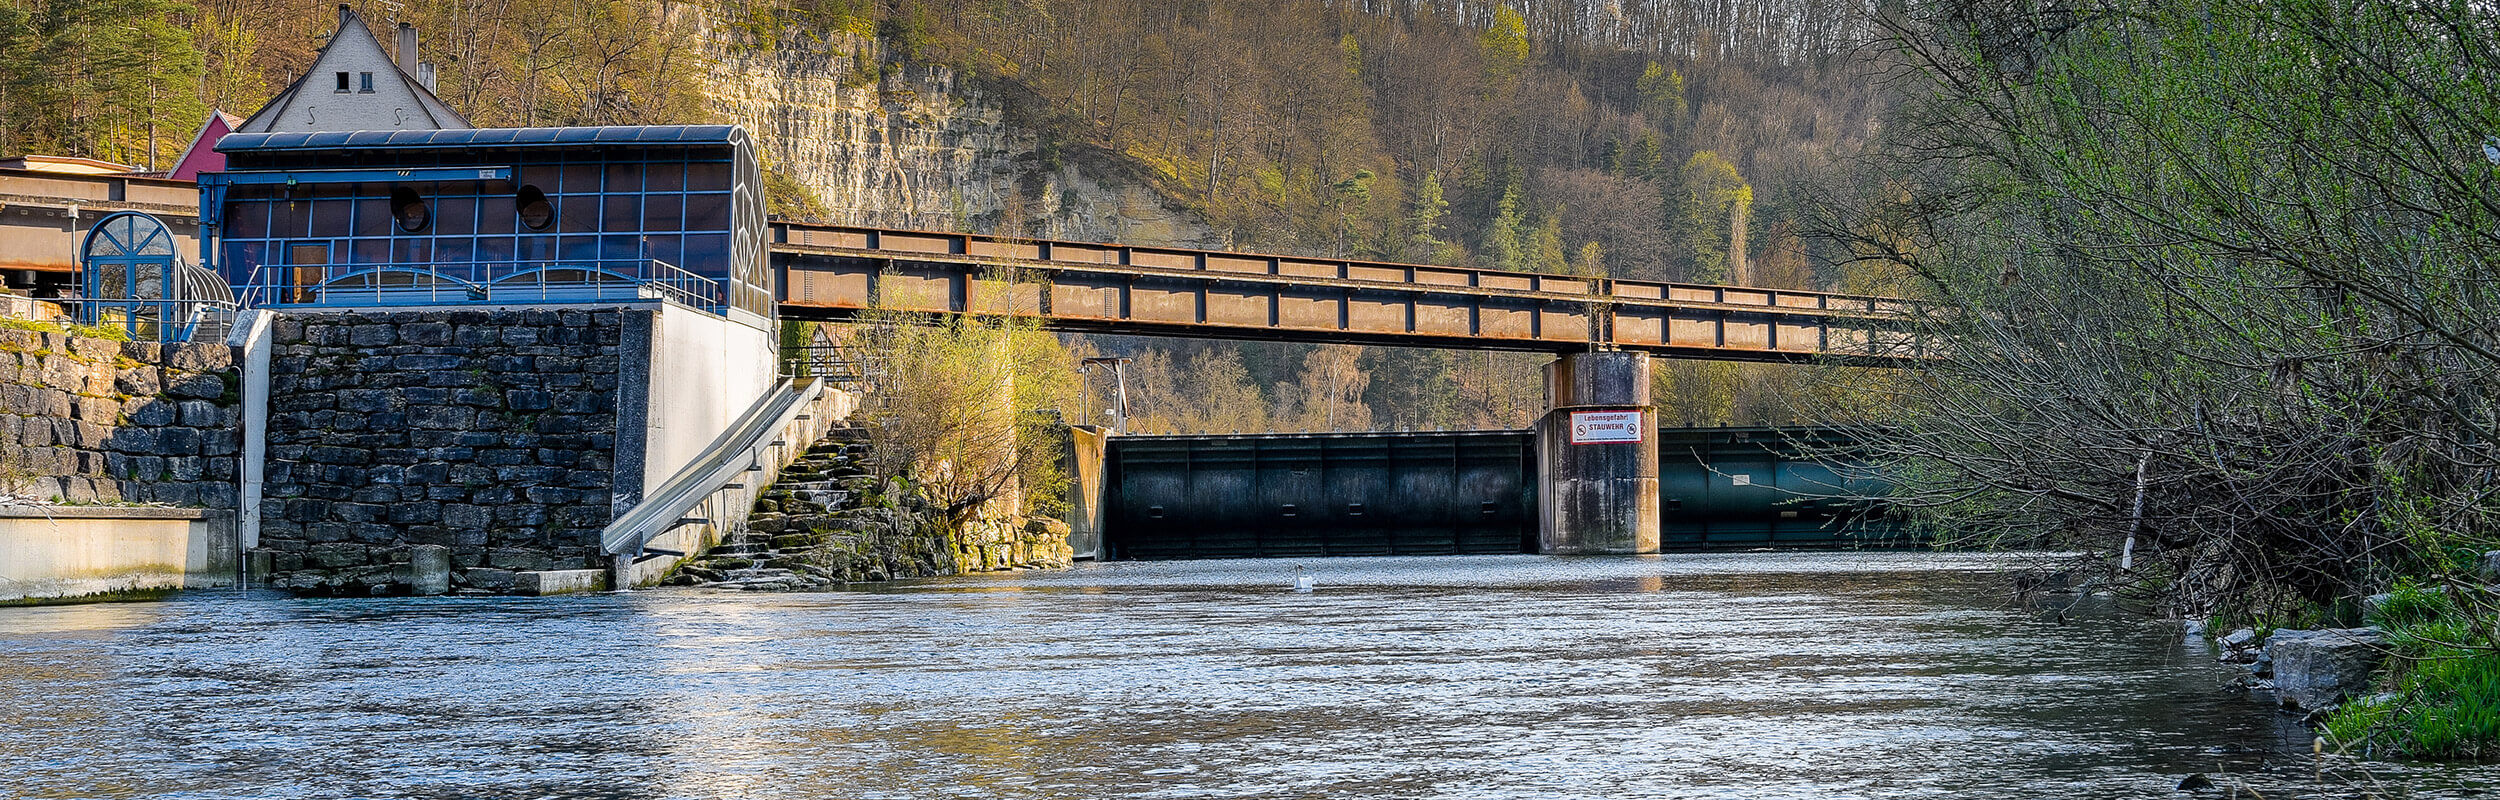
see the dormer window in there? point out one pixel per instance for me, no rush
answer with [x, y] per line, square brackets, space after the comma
[342, 82]
[364, 82]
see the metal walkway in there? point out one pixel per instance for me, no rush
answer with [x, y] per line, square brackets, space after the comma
[835, 272]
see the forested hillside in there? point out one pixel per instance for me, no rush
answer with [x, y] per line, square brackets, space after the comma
[1677, 140]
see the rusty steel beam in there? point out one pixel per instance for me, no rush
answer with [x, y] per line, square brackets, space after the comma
[835, 272]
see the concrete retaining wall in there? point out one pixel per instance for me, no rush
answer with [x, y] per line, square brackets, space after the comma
[707, 370]
[72, 554]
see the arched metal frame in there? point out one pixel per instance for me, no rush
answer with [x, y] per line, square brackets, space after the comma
[396, 285]
[569, 283]
[132, 277]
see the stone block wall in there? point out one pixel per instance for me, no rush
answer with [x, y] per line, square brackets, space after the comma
[491, 432]
[93, 420]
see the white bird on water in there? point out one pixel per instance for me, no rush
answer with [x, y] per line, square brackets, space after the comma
[1302, 581]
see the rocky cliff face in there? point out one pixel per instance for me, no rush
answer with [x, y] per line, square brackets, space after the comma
[915, 146]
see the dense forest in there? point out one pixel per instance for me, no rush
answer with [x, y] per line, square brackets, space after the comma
[1661, 140]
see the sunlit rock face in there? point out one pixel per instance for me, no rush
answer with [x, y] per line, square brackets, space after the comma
[915, 146]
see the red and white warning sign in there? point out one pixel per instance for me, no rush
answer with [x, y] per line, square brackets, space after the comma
[1606, 427]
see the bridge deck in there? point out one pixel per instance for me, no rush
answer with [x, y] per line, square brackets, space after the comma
[834, 272]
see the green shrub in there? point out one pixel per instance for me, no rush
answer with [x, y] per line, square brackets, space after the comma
[2442, 681]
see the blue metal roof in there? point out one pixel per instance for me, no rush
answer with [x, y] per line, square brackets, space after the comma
[483, 137]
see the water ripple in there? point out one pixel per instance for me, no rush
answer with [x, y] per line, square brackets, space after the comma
[1720, 676]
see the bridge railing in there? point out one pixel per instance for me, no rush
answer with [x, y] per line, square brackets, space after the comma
[833, 271]
[979, 247]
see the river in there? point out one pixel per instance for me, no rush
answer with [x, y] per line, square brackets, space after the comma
[1832, 675]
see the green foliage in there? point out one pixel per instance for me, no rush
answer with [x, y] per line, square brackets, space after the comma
[1662, 95]
[1715, 205]
[109, 79]
[1590, 262]
[954, 402]
[785, 197]
[2443, 681]
[2239, 245]
[1545, 248]
[1505, 245]
[1505, 47]
[73, 329]
[1423, 224]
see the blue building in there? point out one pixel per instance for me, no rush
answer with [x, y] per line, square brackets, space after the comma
[498, 216]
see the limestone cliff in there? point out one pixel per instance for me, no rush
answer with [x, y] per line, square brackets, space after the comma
[916, 146]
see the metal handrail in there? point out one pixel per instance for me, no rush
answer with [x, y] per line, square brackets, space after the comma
[735, 452]
[438, 283]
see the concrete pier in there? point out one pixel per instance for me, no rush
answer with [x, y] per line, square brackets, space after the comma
[1597, 457]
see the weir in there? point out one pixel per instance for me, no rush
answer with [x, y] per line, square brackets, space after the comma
[1310, 495]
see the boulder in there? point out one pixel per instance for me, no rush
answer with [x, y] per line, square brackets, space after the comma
[2238, 647]
[2317, 669]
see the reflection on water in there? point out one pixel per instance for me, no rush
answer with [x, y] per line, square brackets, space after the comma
[1736, 676]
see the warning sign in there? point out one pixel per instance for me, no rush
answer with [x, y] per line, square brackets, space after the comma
[1606, 427]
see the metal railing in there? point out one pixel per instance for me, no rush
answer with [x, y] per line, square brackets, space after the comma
[756, 438]
[833, 363]
[475, 282]
[168, 321]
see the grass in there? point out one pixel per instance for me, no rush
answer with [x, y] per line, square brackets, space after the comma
[2442, 681]
[89, 331]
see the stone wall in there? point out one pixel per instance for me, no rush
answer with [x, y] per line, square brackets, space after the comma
[491, 432]
[916, 146]
[92, 420]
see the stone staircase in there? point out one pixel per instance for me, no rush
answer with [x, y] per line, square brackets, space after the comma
[826, 522]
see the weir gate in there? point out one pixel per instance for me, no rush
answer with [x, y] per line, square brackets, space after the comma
[1305, 495]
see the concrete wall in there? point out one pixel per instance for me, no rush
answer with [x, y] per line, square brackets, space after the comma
[1597, 498]
[705, 371]
[87, 420]
[104, 553]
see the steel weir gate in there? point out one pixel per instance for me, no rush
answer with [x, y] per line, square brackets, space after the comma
[1311, 495]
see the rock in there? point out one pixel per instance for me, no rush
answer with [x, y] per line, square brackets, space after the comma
[488, 578]
[2195, 783]
[2371, 605]
[2489, 567]
[2319, 668]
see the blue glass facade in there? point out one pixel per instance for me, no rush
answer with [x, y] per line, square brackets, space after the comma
[494, 215]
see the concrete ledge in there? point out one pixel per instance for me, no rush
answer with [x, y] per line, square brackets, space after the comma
[101, 512]
[90, 553]
[561, 581]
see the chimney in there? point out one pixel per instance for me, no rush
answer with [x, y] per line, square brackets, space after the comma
[345, 14]
[408, 49]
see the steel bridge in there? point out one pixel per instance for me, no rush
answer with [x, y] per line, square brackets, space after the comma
[832, 272]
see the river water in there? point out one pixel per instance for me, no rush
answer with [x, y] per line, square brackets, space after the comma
[1702, 676]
